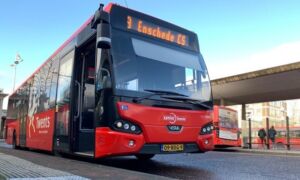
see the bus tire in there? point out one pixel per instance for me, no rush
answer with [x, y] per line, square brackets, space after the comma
[144, 157]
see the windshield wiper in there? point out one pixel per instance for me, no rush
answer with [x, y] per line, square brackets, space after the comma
[189, 100]
[157, 92]
[165, 92]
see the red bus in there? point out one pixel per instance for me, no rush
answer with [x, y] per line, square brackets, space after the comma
[226, 131]
[281, 138]
[125, 83]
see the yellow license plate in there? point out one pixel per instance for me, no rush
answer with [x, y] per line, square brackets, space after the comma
[172, 147]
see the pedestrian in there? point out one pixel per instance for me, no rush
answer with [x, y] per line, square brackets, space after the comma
[262, 136]
[272, 135]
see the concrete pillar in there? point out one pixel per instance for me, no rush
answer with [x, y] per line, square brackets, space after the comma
[243, 111]
[267, 130]
[245, 139]
[288, 133]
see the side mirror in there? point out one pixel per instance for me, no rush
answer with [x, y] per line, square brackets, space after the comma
[103, 36]
[101, 22]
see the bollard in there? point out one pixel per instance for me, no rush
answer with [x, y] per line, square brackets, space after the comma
[267, 128]
[250, 134]
[288, 133]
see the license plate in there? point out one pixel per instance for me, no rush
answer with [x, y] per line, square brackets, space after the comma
[172, 147]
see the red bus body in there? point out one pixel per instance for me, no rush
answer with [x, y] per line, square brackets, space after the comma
[150, 120]
[60, 114]
[226, 131]
[11, 126]
[281, 138]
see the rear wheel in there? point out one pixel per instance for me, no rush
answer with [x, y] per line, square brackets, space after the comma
[144, 157]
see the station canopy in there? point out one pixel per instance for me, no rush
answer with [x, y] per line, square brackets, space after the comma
[272, 84]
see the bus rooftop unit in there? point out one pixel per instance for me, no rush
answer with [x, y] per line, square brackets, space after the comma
[125, 83]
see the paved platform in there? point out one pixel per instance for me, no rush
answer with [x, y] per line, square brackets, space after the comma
[24, 164]
[3, 144]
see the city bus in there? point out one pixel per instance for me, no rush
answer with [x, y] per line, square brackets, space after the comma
[280, 138]
[125, 83]
[226, 131]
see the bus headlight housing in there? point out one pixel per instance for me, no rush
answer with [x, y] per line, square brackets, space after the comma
[207, 129]
[126, 126]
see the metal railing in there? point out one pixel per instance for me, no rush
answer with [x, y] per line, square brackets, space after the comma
[282, 140]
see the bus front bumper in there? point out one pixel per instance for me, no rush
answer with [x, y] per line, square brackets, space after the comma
[113, 143]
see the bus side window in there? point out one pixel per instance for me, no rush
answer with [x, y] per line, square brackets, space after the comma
[281, 134]
[297, 133]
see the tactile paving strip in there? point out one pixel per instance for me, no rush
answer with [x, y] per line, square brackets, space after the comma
[14, 168]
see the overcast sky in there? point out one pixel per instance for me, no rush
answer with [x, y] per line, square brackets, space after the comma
[234, 36]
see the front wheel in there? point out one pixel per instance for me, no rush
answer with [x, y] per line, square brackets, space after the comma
[144, 157]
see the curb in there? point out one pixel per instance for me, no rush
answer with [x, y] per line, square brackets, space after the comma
[273, 152]
[262, 151]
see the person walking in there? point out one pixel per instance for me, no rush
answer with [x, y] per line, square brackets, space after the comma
[272, 136]
[262, 136]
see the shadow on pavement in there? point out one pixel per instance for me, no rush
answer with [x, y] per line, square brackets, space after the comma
[157, 167]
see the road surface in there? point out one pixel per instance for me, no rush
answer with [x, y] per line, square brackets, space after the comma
[211, 165]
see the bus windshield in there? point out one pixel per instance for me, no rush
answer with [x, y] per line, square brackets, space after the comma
[142, 64]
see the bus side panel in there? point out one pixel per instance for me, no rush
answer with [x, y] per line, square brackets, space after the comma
[226, 142]
[40, 128]
[9, 134]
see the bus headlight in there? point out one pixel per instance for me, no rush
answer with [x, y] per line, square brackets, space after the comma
[119, 124]
[206, 129]
[133, 128]
[126, 126]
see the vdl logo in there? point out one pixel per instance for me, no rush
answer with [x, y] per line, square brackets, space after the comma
[174, 127]
[173, 118]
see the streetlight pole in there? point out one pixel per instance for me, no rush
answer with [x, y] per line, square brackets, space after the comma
[16, 62]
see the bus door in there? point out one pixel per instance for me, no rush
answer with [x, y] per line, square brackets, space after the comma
[23, 111]
[84, 95]
[63, 103]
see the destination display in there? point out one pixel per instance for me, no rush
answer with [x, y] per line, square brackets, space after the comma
[156, 31]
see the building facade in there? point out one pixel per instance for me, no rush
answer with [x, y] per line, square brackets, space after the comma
[2, 112]
[276, 111]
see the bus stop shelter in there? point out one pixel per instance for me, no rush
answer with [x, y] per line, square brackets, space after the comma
[272, 84]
